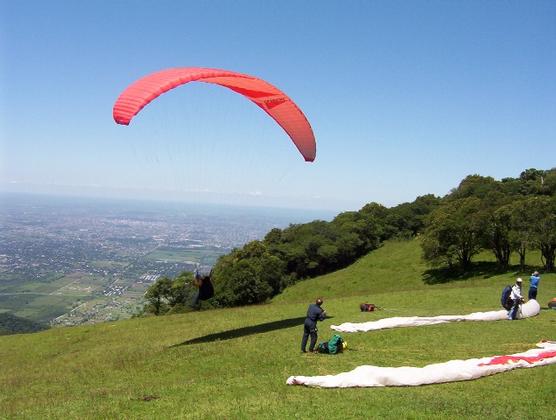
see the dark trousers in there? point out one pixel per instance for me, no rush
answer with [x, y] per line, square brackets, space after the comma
[309, 329]
[532, 293]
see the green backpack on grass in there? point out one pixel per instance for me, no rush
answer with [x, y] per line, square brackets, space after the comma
[333, 346]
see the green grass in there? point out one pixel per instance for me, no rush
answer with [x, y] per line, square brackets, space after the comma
[237, 360]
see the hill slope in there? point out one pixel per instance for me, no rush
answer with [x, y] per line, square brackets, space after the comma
[233, 363]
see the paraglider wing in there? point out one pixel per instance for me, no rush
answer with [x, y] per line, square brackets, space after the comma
[272, 100]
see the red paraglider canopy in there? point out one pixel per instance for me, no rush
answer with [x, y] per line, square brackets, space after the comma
[272, 100]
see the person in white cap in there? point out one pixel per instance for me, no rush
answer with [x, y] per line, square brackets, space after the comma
[517, 299]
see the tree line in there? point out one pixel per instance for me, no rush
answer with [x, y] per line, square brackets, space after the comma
[263, 268]
[506, 216]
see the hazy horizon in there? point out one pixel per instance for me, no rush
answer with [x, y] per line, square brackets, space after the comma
[180, 196]
[134, 203]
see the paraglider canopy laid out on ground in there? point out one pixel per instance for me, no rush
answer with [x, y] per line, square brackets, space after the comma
[529, 309]
[451, 371]
[272, 100]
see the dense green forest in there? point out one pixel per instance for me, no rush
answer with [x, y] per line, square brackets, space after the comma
[512, 215]
[12, 324]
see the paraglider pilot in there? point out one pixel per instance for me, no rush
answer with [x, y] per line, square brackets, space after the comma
[204, 287]
[314, 313]
[517, 299]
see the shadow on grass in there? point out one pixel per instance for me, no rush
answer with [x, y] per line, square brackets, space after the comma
[484, 269]
[245, 331]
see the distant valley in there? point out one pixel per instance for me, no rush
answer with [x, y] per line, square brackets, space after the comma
[68, 261]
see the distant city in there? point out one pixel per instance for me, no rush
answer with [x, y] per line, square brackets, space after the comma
[69, 261]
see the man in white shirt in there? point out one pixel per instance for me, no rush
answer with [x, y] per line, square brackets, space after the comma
[517, 299]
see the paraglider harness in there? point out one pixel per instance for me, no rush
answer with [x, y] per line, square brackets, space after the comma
[206, 289]
[505, 298]
[333, 346]
[368, 307]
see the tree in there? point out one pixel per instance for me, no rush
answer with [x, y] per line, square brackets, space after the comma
[238, 284]
[496, 226]
[181, 292]
[358, 232]
[409, 218]
[532, 182]
[474, 186]
[521, 234]
[158, 294]
[497, 233]
[376, 217]
[531, 174]
[548, 182]
[544, 228]
[248, 275]
[454, 233]
[533, 221]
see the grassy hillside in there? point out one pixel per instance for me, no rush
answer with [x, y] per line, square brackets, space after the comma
[233, 363]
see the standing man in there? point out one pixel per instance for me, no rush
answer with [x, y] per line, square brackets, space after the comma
[517, 299]
[534, 285]
[314, 313]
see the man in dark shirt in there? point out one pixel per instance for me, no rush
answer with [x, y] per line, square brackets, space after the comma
[314, 313]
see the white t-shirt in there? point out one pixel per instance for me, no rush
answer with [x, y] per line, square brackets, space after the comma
[516, 293]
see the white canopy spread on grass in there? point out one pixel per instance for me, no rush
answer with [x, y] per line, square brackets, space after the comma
[529, 309]
[454, 370]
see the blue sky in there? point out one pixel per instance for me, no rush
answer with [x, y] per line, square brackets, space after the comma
[405, 98]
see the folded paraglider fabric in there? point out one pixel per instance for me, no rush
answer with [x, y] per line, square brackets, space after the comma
[529, 309]
[454, 370]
